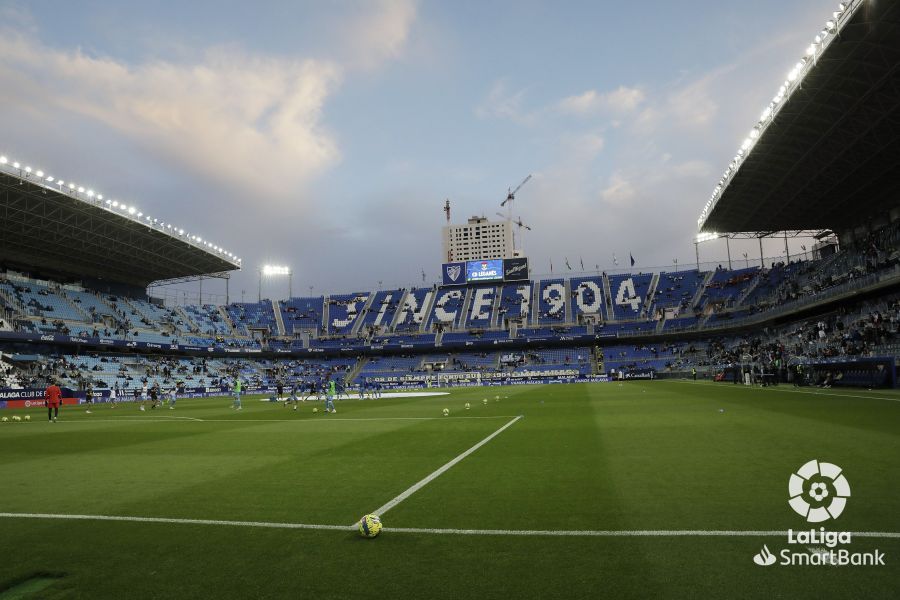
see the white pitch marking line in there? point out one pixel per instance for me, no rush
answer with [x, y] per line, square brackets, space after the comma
[624, 533]
[286, 420]
[440, 471]
[780, 389]
[171, 520]
[495, 532]
[155, 418]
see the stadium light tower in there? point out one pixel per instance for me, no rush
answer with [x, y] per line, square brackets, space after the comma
[276, 271]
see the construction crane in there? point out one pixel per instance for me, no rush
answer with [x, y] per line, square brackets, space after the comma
[447, 210]
[511, 193]
[521, 226]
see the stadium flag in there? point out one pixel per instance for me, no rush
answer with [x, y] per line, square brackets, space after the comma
[632, 258]
[568, 266]
[551, 265]
[582, 262]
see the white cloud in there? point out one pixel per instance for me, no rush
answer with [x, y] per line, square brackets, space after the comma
[620, 100]
[582, 147]
[503, 103]
[232, 116]
[380, 33]
[619, 191]
[693, 105]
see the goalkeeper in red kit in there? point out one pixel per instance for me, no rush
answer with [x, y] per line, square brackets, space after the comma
[53, 398]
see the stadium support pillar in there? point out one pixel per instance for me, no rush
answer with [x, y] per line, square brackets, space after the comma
[787, 252]
[259, 295]
[728, 248]
[200, 302]
[762, 262]
[227, 280]
[697, 253]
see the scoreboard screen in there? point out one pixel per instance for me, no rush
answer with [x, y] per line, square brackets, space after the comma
[484, 270]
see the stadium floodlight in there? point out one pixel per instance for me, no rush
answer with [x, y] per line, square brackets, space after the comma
[71, 186]
[99, 196]
[829, 25]
[39, 173]
[275, 271]
[16, 165]
[131, 210]
[28, 169]
[181, 232]
[90, 193]
[49, 179]
[3, 160]
[80, 190]
[115, 204]
[60, 182]
[706, 236]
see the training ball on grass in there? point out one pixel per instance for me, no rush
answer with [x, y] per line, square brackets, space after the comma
[16, 418]
[27, 417]
[446, 412]
[468, 406]
[5, 419]
[484, 401]
[369, 526]
[315, 409]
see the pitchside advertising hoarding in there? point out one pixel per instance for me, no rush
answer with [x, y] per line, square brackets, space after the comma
[485, 271]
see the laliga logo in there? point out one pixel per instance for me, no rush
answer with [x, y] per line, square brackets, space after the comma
[453, 272]
[818, 491]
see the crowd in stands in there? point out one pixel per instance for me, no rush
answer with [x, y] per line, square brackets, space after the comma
[642, 305]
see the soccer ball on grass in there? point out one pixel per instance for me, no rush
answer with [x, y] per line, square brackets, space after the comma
[27, 417]
[5, 419]
[16, 418]
[315, 409]
[468, 406]
[446, 412]
[369, 526]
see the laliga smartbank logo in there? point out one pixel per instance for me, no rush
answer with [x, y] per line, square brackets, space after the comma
[818, 491]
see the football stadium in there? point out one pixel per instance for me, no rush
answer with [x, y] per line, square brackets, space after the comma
[726, 429]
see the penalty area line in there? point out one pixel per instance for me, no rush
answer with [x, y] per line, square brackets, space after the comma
[440, 471]
[434, 531]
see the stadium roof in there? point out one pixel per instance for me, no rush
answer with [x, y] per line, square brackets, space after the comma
[59, 228]
[825, 152]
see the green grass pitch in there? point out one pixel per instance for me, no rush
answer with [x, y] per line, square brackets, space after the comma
[642, 456]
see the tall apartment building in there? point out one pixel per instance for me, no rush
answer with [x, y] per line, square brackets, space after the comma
[478, 239]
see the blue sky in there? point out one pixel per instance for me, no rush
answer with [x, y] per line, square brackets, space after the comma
[327, 135]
